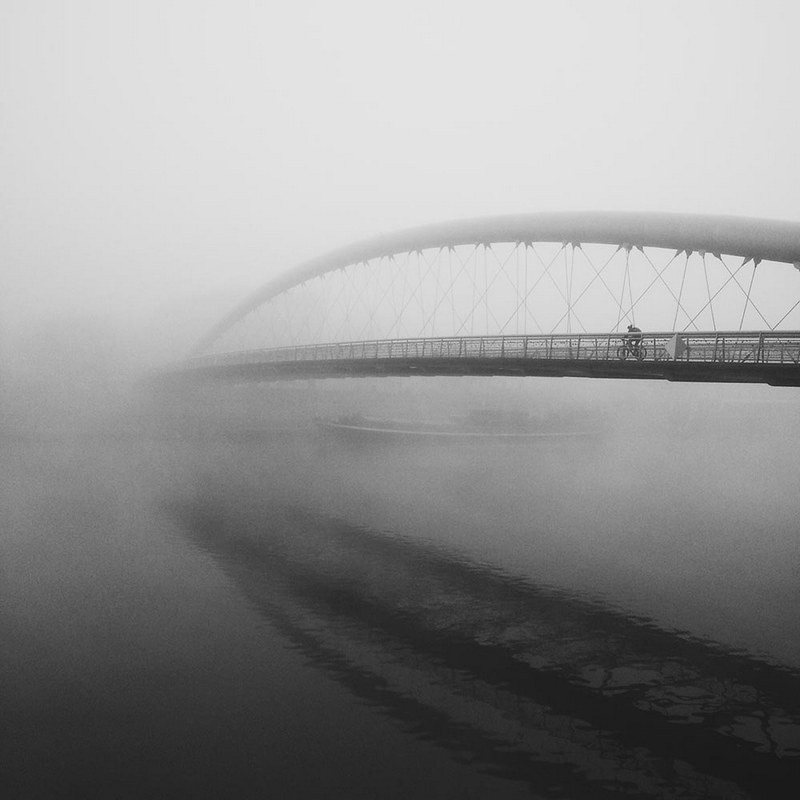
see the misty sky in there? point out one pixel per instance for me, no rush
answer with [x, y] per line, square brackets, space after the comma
[159, 158]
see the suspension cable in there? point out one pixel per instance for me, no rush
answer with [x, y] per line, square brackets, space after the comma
[708, 291]
[747, 296]
[630, 285]
[598, 275]
[680, 292]
[622, 290]
[567, 289]
[486, 285]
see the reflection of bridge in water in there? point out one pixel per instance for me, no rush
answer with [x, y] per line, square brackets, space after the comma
[527, 295]
[530, 684]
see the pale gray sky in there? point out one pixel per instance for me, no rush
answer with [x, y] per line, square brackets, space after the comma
[157, 151]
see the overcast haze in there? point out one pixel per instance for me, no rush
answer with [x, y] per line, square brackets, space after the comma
[161, 159]
[394, 587]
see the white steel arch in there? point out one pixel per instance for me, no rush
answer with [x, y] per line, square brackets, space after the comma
[753, 240]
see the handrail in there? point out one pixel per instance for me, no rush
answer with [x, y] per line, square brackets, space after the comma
[753, 347]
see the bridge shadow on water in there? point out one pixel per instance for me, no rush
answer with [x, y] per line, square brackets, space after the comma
[524, 682]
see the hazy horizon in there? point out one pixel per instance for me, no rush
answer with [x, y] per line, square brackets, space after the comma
[161, 160]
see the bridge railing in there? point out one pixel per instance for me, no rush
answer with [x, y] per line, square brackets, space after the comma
[717, 347]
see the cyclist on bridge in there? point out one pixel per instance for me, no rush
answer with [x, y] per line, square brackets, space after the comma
[634, 337]
[632, 344]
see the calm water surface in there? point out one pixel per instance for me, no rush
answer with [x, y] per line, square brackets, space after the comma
[284, 616]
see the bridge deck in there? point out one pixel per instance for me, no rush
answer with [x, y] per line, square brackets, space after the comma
[759, 357]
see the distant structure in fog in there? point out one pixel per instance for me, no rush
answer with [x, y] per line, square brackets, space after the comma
[716, 299]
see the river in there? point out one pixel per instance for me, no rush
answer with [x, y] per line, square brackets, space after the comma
[283, 615]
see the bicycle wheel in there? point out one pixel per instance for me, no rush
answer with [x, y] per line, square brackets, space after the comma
[622, 352]
[641, 353]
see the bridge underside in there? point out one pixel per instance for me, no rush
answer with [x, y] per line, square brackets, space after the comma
[772, 374]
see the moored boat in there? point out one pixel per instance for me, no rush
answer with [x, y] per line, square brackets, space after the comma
[472, 427]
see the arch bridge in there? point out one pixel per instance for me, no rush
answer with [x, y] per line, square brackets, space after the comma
[716, 299]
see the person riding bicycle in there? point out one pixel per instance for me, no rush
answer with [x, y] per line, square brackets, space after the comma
[633, 339]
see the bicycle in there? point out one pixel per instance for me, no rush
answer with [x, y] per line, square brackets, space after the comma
[633, 348]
